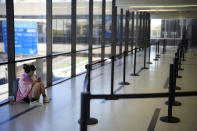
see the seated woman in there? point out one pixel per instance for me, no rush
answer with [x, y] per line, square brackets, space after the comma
[30, 87]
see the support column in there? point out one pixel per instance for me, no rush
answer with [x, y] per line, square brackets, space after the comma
[49, 42]
[137, 29]
[132, 29]
[73, 38]
[103, 31]
[140, 29]
[114, 19]
[127, 32]
[90, 41]
[121, 30]
[10, 44]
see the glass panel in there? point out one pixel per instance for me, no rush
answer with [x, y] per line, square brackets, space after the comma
[108, 52]
[61, 67]
[40, 65]
[97, 23]
[61, 26]
[123, 32]
[155, 28]
[30, 28]
[3, 83]
[108, 23]
[61, 39]
[118, 32]
[173, 29]
[81, 61]
[96, 55]
[82, 24]
[3, 54]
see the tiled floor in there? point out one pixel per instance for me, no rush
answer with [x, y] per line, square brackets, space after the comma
[63, 112]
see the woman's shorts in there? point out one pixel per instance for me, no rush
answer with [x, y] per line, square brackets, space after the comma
[26, 99]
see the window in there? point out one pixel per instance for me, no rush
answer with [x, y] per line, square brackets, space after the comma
[3, 55]
[81, 61]
[3, 83]
[61, 39]
[3, 38]
[30, 28]
[155, 28]
[82, 24]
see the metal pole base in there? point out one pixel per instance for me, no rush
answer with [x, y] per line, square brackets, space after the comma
[134, 75]
[149, 62]
[155, 59]
[175, 103]
[145, 68]
[181, 69]
[170, 119]
[112, 99]
[179, 77]
[90, 121]
[177, 88]
[124, 83]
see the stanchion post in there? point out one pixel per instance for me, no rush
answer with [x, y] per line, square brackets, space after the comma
[169, 118]
[176, 66]
[175, 71]
[156, 59]
[174, 103]
[88, 68]
[165, 45]
[149, 55]
[164, 42]
[112, 75]
[84, 115]
[158, 53]
[89, 120]
[145, 58]
[124, 71]
[134, 69]
[180, 56]
[183, 55]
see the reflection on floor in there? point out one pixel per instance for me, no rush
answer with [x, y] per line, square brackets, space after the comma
[63, 112]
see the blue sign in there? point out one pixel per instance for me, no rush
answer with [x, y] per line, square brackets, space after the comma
[108, 29]
[26, 40]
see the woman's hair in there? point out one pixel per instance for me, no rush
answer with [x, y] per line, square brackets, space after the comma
[28, 68]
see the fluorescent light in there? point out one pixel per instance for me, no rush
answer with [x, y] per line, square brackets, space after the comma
[167, 6]
[156, 10]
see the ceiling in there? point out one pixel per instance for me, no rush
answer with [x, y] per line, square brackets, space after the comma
[162, 9]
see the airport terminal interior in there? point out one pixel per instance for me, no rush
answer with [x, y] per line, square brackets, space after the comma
[105, 65]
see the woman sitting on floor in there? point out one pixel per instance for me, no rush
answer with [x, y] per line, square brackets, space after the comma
[30, 87]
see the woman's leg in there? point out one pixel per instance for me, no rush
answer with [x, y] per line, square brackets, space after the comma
[42, 89]
[35, 92]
